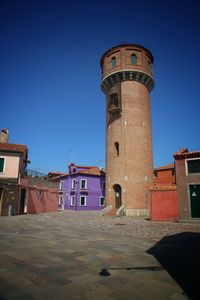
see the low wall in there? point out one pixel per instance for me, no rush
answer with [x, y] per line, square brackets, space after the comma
[42, 200]
[164, 204]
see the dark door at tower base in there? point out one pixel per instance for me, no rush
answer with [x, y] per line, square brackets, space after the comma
[118, 198]
[195, 200]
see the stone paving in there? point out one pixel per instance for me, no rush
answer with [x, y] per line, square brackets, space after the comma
[59, 256]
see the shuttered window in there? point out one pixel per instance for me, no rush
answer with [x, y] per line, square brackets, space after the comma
[2, 161]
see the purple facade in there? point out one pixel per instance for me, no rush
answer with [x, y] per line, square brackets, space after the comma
[83, 189]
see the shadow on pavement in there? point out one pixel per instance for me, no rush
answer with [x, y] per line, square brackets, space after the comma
[179, 254]
[105, 272]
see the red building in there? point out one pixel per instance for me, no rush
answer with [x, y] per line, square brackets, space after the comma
[164, 204]
[165, 175]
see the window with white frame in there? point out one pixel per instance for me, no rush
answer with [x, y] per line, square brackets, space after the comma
[83, 200]
[73, 184]
[60, 200]
[72, 201]
[101, 201]
[193, 166]
[2, 164]
[61, 185]
[83, 185]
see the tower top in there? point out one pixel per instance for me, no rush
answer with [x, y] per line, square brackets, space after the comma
[124, 45]
[124, 62]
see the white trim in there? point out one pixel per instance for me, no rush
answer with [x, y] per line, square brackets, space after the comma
[186, 166]
[72, 201]
[3, 172]
[61, 185]
[73, 184]
[85, 201]
[100, 201]
[81, 188]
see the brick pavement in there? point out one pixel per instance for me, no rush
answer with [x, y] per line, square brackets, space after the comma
[59, 256]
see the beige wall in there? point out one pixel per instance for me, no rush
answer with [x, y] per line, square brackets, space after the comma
[11, 166]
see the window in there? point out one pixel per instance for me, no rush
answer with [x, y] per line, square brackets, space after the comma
[72, 201]
[60, 199]
[133, 59]
[82, 200]
[117, 148]
[114, 100]
[2, 164]
[83, 184]
[113, 61]
[73, 184]
[61, 185]
[193, 166]
[101, 201]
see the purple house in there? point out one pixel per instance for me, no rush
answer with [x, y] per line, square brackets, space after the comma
[83, 188]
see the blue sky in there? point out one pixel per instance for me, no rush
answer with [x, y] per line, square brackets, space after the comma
[50, 75]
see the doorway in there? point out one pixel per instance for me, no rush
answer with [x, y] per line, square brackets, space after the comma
[118, 196]
[23, 202]
[195, 200]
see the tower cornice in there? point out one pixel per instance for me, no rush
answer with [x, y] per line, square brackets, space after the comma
[127, 75]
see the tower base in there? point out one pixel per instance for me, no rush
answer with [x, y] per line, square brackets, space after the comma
[137, 213]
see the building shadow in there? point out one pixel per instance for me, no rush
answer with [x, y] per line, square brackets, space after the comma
[179, 254]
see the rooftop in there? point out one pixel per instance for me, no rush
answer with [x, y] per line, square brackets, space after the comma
[183, 153]
[6, 147]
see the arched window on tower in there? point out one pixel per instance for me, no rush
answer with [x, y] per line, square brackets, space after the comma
[117, 148]
[133, 59]
[113, 61]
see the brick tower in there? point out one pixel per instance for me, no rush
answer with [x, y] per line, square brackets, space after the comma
[127, 79]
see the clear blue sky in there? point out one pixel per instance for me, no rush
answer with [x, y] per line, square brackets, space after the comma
[50, 75]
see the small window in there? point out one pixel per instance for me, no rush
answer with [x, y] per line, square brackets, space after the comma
[193, 166]
[113, 61]
[101, 201]
[82, 200]
[133, 59]
[72, 201]
[113, 103]
[83, 184]
[117, 148]
[60, 200]
[2, 164]
[61, 185]
[73, 184]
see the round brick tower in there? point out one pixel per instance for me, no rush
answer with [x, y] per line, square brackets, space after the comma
[127, 79]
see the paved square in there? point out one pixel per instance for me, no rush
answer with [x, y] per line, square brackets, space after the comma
[59, 256]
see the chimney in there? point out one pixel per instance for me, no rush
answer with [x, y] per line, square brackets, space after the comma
[4, 135]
